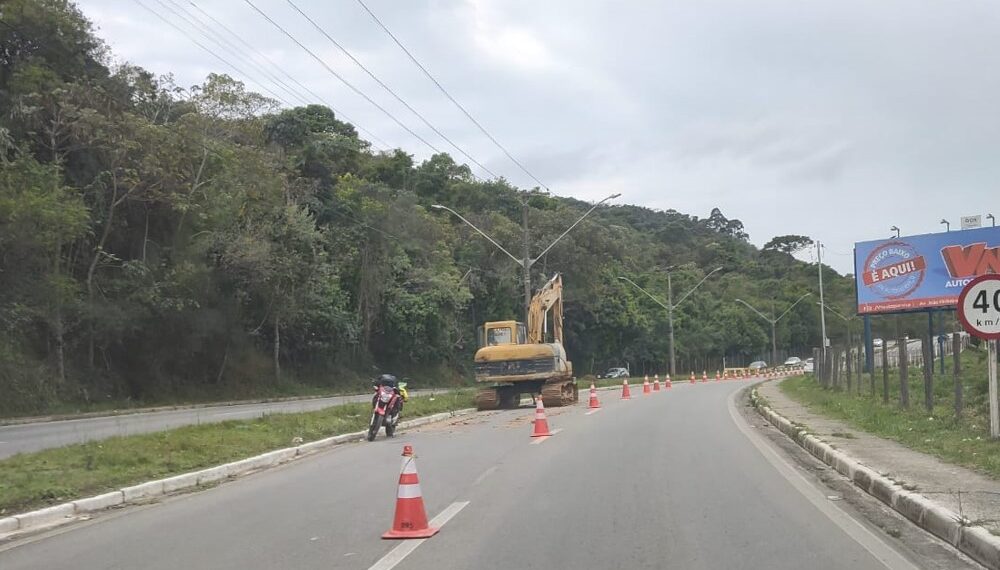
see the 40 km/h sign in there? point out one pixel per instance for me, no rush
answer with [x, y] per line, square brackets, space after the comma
[979, 311]
[979, 307]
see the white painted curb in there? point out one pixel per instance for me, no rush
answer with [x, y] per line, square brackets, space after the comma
[975, 541]
[69, 512]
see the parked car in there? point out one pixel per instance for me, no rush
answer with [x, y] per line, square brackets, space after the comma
[793, 361]
[757, 365]
[877, 342]
[614, 373]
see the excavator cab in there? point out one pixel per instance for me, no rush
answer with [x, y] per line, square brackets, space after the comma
[502, 332]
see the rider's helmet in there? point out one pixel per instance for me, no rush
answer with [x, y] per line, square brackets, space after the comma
[386, 380]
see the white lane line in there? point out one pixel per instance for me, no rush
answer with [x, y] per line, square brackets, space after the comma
[485, 474]
[396, 555]
[538, 440]
[594, 411]
[861, 534]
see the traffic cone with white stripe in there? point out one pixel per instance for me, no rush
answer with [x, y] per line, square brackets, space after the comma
[693, 380]
[704, 376]
[656, 382]
[717, 376]
[541, 424]
[669, 383]
[594, 403]
[410, 520]
[646, 387]
[626, 394]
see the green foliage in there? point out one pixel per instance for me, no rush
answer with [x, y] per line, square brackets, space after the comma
[158, 242]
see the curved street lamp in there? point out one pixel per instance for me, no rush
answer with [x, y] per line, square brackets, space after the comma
[670, 306]
[895, 229]
[947, 225]
[774, 323]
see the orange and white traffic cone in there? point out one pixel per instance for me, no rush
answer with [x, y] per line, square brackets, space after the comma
[704, 376]
[626, 394]
[594, 403]
[716, 375]
[646, 387]
[410, 520]
[656, 382]
[669, 383]
[541, 424]
[692, 378]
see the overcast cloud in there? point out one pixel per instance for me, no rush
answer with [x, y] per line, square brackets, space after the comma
[835, 120]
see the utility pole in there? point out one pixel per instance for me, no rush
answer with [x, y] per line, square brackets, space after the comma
[822, 304]
[773, 321]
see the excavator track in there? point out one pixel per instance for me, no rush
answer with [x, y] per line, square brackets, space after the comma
[559, 393]
[487, 399]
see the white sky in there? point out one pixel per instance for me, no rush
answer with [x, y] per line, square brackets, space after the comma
[835, 120]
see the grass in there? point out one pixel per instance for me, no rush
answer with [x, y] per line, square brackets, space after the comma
[962, 441]
[53, 476]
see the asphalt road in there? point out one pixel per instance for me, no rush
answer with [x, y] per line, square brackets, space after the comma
[43, 435]
[676, 479]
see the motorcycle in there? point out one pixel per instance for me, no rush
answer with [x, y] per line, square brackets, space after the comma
[386, 409]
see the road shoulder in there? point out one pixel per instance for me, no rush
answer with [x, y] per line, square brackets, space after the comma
[917, 486]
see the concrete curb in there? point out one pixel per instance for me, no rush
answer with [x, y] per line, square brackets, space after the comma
[974, 541]
[71, 511]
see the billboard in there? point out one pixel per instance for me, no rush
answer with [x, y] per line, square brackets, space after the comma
[914, 273]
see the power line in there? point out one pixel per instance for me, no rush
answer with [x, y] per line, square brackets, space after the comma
[389, 90]
[210, 34]
[450, 98]
[212, 53]
[291, 78]
[342, 80]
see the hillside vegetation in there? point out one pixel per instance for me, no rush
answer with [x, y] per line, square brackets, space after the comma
[159, 243]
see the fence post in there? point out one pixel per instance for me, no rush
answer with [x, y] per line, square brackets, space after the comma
[956, 357]
[929, 374]
[835, 361]
[904, 369]
[848, 369]
[885, 372]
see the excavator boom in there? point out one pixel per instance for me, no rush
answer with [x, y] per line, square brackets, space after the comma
[549, 297]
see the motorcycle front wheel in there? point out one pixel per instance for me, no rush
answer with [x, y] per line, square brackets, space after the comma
[373, 427]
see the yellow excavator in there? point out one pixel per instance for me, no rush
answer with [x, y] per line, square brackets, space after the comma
[516, 361]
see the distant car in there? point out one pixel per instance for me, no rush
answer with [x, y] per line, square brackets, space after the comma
[808, 366]
[877, 342]
[757, 365]
[615, 373]
[793, 361]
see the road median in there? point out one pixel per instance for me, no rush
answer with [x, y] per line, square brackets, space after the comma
[63, 484]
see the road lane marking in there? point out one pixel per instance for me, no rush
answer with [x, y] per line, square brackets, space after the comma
[861, 534]
[485, 474]
[594, 411]
[538, 440]
[396, 555]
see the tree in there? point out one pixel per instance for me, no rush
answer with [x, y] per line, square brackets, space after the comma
[788, 244]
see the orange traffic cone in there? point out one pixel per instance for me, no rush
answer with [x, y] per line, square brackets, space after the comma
[716, 375]
[669, 383]
[704, 376]
[626, 394]
[692, 378]
[541, 424]
[410, 520]
[645, 386]
[656, 382]
[594, 403]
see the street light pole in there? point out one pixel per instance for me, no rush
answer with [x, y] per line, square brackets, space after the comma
[670, 306]
[526, 261]
[774, 323]
[947, 225]
[670, 319]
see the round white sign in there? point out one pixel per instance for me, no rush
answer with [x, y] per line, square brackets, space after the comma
[979, 307]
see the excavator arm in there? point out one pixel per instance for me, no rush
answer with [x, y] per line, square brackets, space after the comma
[548, 298]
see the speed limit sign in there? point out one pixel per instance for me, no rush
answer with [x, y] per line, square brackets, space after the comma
[979, 307]
[979, 311]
